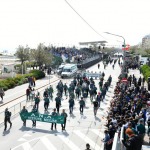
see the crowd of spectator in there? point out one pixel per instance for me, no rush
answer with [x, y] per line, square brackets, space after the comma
[129, 109]
[83, 53]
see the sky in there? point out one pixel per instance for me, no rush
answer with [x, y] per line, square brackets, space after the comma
[30, 22]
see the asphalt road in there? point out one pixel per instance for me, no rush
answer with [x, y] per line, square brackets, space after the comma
[80, 129]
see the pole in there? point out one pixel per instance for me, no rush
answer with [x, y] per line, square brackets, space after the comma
[124, 58]
[25, 67]
[22, 69]
[30, 58]
[49, 79]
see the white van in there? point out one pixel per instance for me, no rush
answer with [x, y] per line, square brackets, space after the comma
[60, 68]
[69, 70]
[143, 60]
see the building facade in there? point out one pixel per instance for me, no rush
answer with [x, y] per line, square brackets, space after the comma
[146, 42]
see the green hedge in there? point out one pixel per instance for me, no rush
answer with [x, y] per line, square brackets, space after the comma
[12, 82]
[146, 71]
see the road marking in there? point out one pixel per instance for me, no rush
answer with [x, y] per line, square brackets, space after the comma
[22, 140]
[27, 146]
[87, 140]
[99, 133]
[26, 135]
[69, 143]
[47, 143]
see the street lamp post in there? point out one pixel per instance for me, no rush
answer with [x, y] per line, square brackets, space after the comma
[49, 79]
[118, 36]
[124, 44]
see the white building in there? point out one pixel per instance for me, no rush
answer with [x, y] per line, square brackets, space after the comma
[7, 70]
[146, 42]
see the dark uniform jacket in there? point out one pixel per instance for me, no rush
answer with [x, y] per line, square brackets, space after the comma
[7, 114]
[133, 143]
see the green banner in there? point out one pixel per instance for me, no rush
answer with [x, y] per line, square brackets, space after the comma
[42, 117]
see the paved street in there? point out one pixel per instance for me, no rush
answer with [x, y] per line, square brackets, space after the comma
[16, 97]
[80, 129]
[20, 91]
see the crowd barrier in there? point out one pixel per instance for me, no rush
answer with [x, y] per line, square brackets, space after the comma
[15, 109]
[88, 74]
[89, 62]
[117, 143]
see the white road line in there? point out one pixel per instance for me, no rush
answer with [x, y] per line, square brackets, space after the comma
[22, 140]
[99, 133]
[47, 143]
[26, 146]
[68, 143]
[87, 140]
[26, 135]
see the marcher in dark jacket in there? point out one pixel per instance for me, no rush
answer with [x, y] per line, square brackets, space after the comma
[98, 98]
[134, 142]
[7, 119]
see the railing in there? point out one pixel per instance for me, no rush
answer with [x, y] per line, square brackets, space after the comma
[90, 59]
[122, 136]
[117, 143]
[15, 109]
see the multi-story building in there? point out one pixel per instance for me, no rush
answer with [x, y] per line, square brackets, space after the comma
[146, 42]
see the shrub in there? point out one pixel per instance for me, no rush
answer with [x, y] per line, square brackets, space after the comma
[146, 71]
[37, 74]
[19, 80]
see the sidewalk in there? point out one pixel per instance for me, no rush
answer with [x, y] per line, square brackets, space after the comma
[137, 74]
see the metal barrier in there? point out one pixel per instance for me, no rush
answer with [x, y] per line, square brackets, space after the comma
[89, 63]
[90, 59]
[117, 143]
[122, 138]
[18, 107]
[92, 74]
[15, 109]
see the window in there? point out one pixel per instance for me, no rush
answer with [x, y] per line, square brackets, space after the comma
[66, 70]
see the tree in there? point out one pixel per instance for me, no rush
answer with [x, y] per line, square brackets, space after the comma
[147, 51]
[41, 55]
[133, 49]
[22, 53]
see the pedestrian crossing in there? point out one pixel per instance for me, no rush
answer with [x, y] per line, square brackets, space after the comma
[72, 140]
[47, 143]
